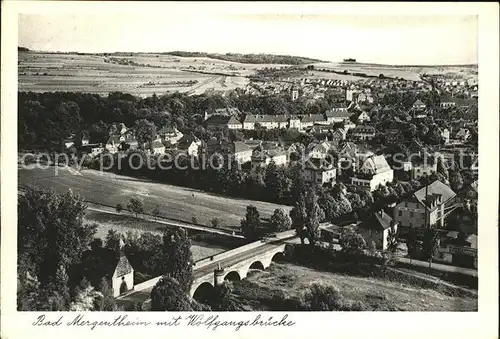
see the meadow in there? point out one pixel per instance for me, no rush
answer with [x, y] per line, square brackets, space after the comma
[138, 74]
[174, 202]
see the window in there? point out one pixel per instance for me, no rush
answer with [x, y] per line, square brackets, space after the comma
[411, 214]
[406, 204]
[400, 213]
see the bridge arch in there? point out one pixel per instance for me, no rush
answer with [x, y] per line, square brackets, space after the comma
[203, 293]
[257, 265]
[278, 257]
[232, 276]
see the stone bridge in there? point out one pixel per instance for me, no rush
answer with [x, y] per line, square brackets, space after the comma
[234, 268]
[230, 265]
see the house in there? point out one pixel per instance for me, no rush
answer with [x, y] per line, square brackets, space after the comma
[464, 218]
[294, 122]
[463, 134]
[68, 142]
[221, 121]
[170, 134]
[189, 144]
[310, 120]
[426, 207]
[271, 121]
[157, 147]
[85, 140]
[118, 129]
[423, 169]
[350, 155]
[338, 113]
[265, 121]
[446, 102]
[113, 143]
[362, 117]
[242, 153]
[374, 172]
[375, 229]
[338, 136]
[129, 143]
[445, 135]
[318, 149]
[91, 149]
[262, 157]
[419, 105]
[363, 132]
[348, 125]
[319, 172]
[459, 249]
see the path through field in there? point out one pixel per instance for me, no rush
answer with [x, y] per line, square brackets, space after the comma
[174, 202]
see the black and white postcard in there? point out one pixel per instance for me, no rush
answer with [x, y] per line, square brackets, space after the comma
[249, 169]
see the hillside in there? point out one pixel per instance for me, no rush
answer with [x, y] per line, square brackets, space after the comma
[250, 58]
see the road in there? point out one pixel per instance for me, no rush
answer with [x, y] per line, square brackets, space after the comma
[167, 222]
[440, 267]
[200, 272]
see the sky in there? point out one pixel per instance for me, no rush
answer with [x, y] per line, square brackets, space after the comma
[403, 40]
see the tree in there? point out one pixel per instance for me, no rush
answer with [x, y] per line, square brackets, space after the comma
[119, 207]
[145, 132]
[194, 220]
[156, 212]
[215, 222]
[321, 297]
[392, 239]
[298, 214]
[135, 206]
[86, 299]
[169, 295]
[314, 215]
[278, 186]
[106, 300]
[223, 299]
[280, 221]
[352, 243]
[456, 181]
[177, 260]
[251, 223]
[51, 232]
[430, 244]
[112, 241]
[411, 242]
[441, 168]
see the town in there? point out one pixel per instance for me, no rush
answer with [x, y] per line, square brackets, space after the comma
[380, 169]
[210, 161]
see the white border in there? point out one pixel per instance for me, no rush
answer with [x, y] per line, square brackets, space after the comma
[367, 324]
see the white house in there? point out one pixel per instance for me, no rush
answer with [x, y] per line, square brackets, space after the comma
[374, 172]
[320, 173]
[375, 229]
[189, 144]
[157, 147]
[122, 279]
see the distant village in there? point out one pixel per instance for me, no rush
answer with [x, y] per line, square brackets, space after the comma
[346, 129]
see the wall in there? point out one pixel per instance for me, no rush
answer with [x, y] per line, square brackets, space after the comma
[227, 254]
[117, 282]
[147, 284]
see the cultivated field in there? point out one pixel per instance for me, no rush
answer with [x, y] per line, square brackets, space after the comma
[144, 74]
[174, 202]
[406, 72]
[376, 294]
[138, 74]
